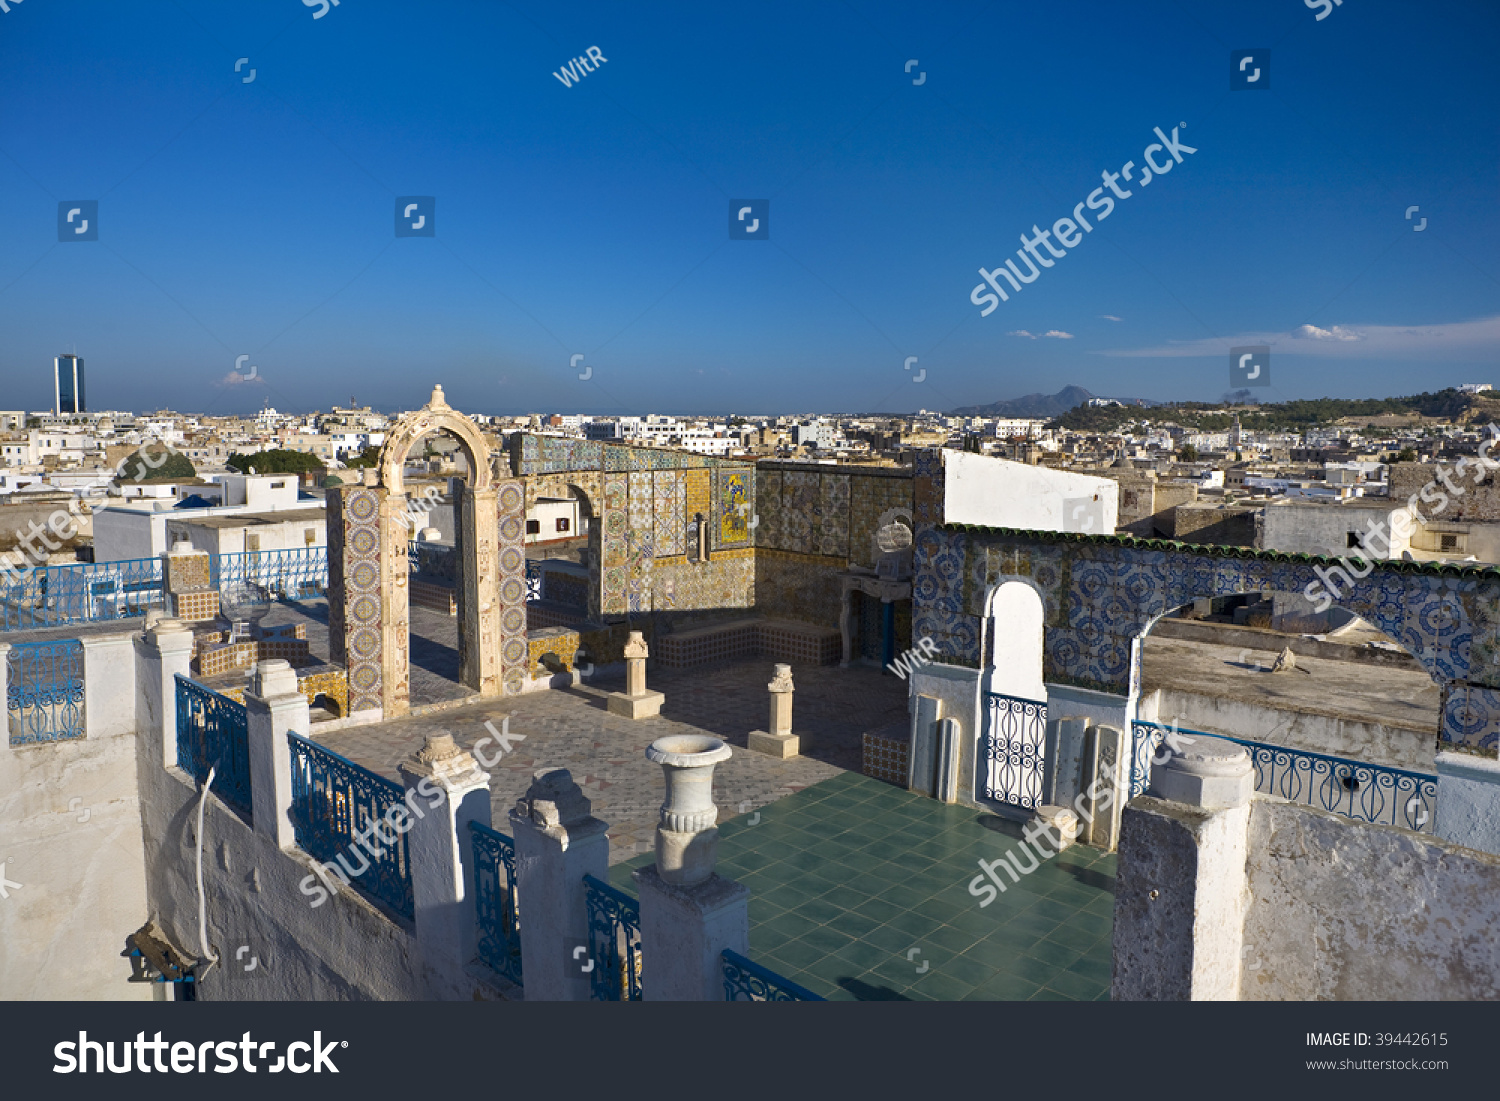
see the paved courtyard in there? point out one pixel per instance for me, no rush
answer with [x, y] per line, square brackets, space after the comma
[570, 728]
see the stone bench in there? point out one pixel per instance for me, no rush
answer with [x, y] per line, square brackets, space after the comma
[784, 640]
[434, 595]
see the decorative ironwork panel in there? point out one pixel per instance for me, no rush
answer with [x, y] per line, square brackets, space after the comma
[212, 732]
[299, 574]
[614, 942]
[495, 900]
[83, 592]
[44, 692]
[1146, 741]
[335, 801]
[1365, 792]
[747, 981]
[1015, 738]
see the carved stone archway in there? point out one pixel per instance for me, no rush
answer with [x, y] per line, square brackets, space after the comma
[369, 608]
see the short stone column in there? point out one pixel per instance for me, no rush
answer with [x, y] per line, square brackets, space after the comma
[689, 914]
[163, 652]
[558, 842]
[637, 701]
[1180, 891]
[108, 678]
[779, 741]
[1104, 785]
[437, 846]
[274, 708]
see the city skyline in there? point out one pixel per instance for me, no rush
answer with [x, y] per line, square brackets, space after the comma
[244, 248]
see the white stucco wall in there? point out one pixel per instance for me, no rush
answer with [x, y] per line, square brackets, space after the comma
[1307, 527]
[1005, 494]
[343, 950]
[121, 534]
[70, 835]
[1344, 911]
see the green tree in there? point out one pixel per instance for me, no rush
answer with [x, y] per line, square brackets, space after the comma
[1188, 454]
[370, 456]
[155, 461]
[276, 461]
[1407, 455]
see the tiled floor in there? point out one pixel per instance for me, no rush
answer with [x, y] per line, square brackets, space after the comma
[570, 728]
[861, 892]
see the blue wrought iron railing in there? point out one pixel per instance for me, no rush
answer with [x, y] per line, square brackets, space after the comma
[44, 692]
[747, 981]
[298, 574]
[495, 907]
[212, 733]
[614, 942]
[1015, 739]
[1377, 794]
[81, 592]
[340, 813]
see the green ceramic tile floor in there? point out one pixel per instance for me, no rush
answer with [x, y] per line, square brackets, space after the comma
[852, 874]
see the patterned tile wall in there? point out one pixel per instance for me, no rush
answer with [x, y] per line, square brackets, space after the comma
[511, 543]
[355, 610]
[613, 564]
[1101, 595]
[871, 498]
[669, 523]
[806, 587]
[734, 509]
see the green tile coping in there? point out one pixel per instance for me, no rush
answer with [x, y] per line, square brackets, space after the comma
[1208, 550]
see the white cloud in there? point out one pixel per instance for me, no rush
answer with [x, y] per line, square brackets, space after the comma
[1021, 332]
[1058, 334]
[234, 378]
[1109, 317]
[1312, 332]
[1477, 340]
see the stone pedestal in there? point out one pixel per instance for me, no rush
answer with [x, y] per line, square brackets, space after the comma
[684, 932]
[1180, 898]
[779, 741]
[637, 701]
[108, 679]
[163, 652]
[558, 842]
[274, 705]
[689, 915]
[1059, 826]
[441, 858]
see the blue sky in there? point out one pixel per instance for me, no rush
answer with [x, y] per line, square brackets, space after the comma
[258, 218]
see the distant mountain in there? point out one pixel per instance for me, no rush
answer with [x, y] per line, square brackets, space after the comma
[1032, 405]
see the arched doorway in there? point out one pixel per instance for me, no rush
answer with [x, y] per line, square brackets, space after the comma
[1013, 707]
[369, 601]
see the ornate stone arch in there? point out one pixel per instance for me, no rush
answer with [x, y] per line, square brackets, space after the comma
[436, 416]
[369, 602]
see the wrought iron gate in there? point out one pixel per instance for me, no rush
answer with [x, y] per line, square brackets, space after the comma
[1015, 735]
